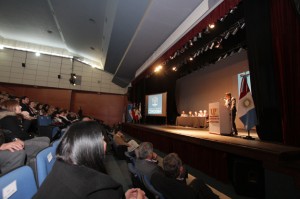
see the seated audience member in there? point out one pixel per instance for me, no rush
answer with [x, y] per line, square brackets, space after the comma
[183, 114]
[191, 114]
[172, 184]
[12, 155]
[120, 139]
[146, 162]
[10, 120]
[24, 103]
[79, 171]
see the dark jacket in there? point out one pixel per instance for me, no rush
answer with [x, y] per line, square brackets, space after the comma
[78, 182]
[10, 121]
[171, 188]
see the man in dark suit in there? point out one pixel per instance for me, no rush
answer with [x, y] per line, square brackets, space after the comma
[230, 103]
[146, 163]
[172, 183]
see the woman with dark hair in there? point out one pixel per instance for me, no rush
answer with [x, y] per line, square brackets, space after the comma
[79, 171]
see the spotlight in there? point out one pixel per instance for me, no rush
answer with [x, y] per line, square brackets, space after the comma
[157, 68]
[191, 58]
[72, 79]
[174, 68]
[211, 26]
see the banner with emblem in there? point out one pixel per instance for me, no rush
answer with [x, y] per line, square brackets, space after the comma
[246, 109]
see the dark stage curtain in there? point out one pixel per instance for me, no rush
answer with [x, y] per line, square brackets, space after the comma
[263, 79]
[285, 26]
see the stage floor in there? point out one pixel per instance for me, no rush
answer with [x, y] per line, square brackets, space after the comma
[200, 132]
[256, 148]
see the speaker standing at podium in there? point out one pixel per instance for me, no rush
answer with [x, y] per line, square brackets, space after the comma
[230, 103]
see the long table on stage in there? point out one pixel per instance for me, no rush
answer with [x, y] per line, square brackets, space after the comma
[196, 122]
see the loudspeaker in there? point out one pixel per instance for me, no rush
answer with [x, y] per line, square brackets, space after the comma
[248, 178]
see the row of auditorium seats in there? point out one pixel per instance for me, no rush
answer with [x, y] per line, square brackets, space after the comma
[24, 181]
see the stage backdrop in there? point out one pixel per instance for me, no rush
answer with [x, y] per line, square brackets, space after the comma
[210, 84]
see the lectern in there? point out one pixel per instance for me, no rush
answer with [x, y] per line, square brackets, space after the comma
[219, 119]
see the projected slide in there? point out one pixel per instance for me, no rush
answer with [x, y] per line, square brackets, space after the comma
[156, 104]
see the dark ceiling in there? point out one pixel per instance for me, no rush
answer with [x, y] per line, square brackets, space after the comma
[122, 37]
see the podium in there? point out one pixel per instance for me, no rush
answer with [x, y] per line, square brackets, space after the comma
[219, 119]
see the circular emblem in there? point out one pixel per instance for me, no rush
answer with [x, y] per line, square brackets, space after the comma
[247, 102]
[154, 101]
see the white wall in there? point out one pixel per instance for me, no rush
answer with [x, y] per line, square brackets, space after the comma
[43, 71]
[195, 91]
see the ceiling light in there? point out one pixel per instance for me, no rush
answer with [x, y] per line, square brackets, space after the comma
[174, 68]
[191, 58]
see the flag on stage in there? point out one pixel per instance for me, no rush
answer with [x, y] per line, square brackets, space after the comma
[246, 109]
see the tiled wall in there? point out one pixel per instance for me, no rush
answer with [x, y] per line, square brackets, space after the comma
[44, 71]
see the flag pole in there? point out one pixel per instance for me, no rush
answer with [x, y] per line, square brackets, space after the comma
[248, 137]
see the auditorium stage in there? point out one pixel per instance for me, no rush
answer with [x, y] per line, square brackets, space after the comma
[212, 153]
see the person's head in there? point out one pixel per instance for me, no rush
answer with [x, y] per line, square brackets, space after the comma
[32, 104]
[228, 95]
[24, 100]
[172, 165]
[11, 105]
[83, 145]
[145, 150]
[86, 118]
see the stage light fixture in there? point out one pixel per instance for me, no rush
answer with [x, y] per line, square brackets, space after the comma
[174, 68]
[206, 48]
[243, 25]
[200, 35]
[227, 35]
[235, 30]
[212, 45]
[72, 79]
